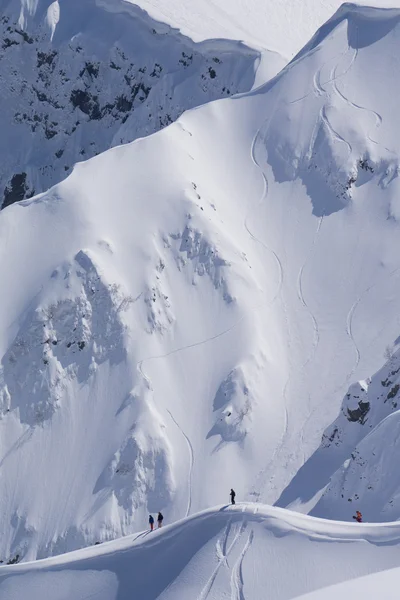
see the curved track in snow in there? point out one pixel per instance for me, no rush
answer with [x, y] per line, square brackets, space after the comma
[237, 580]
[340, 94]
[282, 555]
[262, 199]
[260, 482]
[349, 330]
[222, 557]
[350, 320]
[191, 453]
[300, 295]
[378, 118]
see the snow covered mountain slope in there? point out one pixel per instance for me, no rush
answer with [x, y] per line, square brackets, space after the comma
[79, 77]
[283, 26]
[185, 313]
[243, 552]
[365, 437]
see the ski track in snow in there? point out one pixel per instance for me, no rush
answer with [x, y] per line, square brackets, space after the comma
[377, 116]
[338, 92]
[300, 295]
[258, 488]
[350, 320]
[334, 134]
[226, 538]
[191, 453]
[317, 87]
[148, 383]
[220, 334]
[349, 330]
[318, 91]
[262, 199]
[237, 582]
[222, 559]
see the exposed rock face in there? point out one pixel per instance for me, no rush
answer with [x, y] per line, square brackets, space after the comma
[71, 91]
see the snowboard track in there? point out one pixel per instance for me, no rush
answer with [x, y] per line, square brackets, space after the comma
[317, 86]
[335, 135]
[317, 336]
[191, 465]
[300, 295]
[350, 320]
[378, 118]
[319, 91]
[222, 560]
[237, 581]
[258, 488]
[262, 199]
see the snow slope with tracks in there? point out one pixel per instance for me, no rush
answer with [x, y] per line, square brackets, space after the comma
[185, 313]
[242, 552]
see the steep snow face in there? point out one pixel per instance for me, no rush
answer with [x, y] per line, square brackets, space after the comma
[185, 313]
[227, 552]
[80, 77]
[284, 26]
[365, 437]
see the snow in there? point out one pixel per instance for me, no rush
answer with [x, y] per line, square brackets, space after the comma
[53, 17]
[234, 552]
[196, 304]
[213, 305]
[81, 77]
[366, 435]
[283, 26]
[379, 585]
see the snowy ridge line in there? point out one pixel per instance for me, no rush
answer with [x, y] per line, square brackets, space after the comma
[101, 92]
[346, 12]
[271, 516]
[139, 13]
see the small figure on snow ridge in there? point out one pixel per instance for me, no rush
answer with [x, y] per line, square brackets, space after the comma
[151, 521]
[358, 516]
[233, 495]
[160, 520]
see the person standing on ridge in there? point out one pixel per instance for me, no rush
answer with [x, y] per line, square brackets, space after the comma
[151, 521]
[358, 516]
[160, 520]
[233, 495]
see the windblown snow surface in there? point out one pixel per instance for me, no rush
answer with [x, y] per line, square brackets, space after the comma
[214, 305]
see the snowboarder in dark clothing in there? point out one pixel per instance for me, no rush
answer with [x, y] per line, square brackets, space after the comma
[160, 519]
[151, 521]
[233, 495]
[358, 516]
